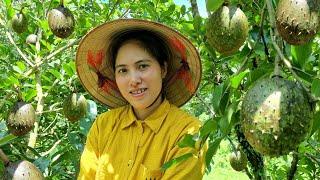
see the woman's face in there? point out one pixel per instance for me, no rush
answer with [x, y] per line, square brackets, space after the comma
[138, 75]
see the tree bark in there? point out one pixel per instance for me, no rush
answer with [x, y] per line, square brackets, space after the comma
[255, 159]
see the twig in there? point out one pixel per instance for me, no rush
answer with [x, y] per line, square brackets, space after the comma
[52, 148]
[248, 173]
[4, 158]
[314, 148]
[55, 144]
[310, 156]
[24, 57]
[128, 10]
[294, 165]
[234, 149]
[52, 86]
[45, 59]
[271, 13]
[204, 103]
[49, 111]
[113, 8]
[289, 66]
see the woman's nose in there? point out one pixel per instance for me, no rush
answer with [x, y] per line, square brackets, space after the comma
[135, 79]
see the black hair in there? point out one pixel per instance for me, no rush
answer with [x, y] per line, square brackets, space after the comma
[151, 41]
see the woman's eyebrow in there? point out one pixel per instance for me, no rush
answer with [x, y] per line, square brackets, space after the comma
[138, 62]
[143, 60]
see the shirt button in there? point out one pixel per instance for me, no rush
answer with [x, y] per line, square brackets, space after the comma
[130, 162]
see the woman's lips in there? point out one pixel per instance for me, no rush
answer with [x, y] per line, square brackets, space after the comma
[139, 92]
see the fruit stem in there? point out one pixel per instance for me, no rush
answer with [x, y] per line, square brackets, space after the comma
[276, 70]
[21, 9]
[4, 158]
[234, 149]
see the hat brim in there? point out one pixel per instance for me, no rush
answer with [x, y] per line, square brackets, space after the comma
[97, 76]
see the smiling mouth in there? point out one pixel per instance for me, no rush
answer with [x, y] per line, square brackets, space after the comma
[139, 91]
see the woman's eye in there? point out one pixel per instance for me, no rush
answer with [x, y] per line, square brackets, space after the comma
[122, 71]
[143, 66]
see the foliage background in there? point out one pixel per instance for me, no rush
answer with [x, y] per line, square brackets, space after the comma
[45, 74]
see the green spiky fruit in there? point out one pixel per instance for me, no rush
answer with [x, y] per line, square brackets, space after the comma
[298, 20]
[61, 21]
[227, 29]
[22, 170]
[19, 23]
[276, 116]
[238, 160]
[75, 107]
[21, 119]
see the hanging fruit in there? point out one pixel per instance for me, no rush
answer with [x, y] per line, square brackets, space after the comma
[21, 119]
[238, 160]
[19, 22]
[276, 116]
[31, 39]
[227, 29]
[75, 107]
[22, 170]
[61, 21]
[298, 20]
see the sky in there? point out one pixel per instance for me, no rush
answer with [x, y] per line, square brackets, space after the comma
[201, 6]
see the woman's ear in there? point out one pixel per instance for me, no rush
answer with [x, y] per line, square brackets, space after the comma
[164, 69]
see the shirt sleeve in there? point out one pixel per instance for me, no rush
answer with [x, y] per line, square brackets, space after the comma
[90, 155]
[191, 168]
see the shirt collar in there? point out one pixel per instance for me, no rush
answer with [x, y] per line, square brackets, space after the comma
[154, 121]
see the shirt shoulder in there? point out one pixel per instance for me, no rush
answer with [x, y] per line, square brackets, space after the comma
[182, 121]
[110, 118]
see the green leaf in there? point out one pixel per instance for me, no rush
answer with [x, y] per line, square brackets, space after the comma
[209, 126]
[68, 69]
[30, 94]
[187, 141]
[56, 73]
[217, 95]
[316, 123]
[13, 80]
[315, 87]
[301, 53]
[21, 66]
[7, 139]
[183, 10]
[175, 161]
[213, 147]
[236, 80]
[213, 5]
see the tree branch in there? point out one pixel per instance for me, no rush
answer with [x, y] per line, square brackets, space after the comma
[294, 165]
[45, 59]
[194, 7]
[9, 36]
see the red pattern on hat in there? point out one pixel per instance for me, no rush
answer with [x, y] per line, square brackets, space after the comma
[183, 72]
[94, 61]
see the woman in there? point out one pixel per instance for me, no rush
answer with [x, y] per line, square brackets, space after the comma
[143, 71]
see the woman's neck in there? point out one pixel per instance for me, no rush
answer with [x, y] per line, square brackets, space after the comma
[142, 114]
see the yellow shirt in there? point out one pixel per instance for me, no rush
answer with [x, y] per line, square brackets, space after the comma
[121, 147]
